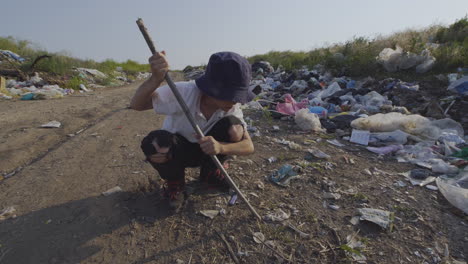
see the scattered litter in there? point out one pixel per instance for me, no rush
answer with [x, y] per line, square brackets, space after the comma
[376, 216]
[419, 177]
[353, 248]
[272, 159]
[8, 212]
[233, 199]
[455, 190]
[260, 185]
[284, 175]
[52, 124]
[301, 234]
[111, 191]
[276, 216]
[432, 187]
[318, 153]
[360, 137]
[400, 184]
[258, 237]
[290, 144]
[334, 196]
[210, 213]
[335, 143]
[385, 150]
[83, 87]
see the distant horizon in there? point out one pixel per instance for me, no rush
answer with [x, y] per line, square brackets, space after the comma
[190, 32]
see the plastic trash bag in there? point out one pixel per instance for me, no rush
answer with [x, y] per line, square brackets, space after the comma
[420, 152]
[397, 136]
[373, 101]
[451, 137]
[298, 87]
[318, 110]
[385, 150]
[396, 59]
[308, 121]
[440, 166]
[390, 58]
[426, 65]
[290, 106]
[348, 99]
[449, 125]
[455, 190]
[460, 86]
[412, 124]
[331, 89]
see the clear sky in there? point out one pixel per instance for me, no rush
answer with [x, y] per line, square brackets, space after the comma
[191, 30]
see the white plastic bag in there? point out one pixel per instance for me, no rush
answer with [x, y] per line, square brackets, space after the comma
[329, 91]
[390, 58]
[455, 191]
[307, 121]
[412, 124]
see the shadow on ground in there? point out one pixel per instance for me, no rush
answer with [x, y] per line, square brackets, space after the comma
[62, 233]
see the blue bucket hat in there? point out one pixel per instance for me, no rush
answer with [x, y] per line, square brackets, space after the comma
[227, 77]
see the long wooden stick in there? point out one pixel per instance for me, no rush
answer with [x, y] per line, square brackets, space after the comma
[229, 248]
[189, 116]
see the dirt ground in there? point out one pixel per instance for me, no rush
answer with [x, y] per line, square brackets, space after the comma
[56, 177]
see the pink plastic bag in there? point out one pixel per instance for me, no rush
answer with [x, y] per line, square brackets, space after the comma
[290, 106]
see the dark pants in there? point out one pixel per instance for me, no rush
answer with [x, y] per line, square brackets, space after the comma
[183, 153]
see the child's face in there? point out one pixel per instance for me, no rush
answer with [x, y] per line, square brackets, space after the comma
[223, 105]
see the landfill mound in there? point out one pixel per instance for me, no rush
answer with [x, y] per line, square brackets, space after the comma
[31, 84]
[346, 170]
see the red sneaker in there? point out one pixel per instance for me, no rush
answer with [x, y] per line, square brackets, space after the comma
[174, 191]
[215, 178]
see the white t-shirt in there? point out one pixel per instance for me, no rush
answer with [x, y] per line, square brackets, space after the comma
[164, 102]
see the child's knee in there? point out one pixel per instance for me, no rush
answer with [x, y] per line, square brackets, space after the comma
[158, 145]
[236, 133]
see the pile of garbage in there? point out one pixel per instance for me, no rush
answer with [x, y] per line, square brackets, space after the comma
[37, 88]
[375, 115]
[192, 73]
[33, 89]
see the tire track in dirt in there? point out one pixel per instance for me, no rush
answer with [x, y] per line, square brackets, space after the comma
[61, 142]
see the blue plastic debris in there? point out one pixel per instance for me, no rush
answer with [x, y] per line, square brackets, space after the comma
[320, 111]
[351, 84]
[284, 175]
[12, 55]
[460, 85]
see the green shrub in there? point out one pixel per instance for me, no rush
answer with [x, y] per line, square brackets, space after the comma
[360, 53]
[62, 63]
[74, 83]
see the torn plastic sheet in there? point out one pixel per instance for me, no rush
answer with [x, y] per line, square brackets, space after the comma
[379, 217]
[318, 153]
[419, 177]
[284, 175]
[455, 190]
[360, 137]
